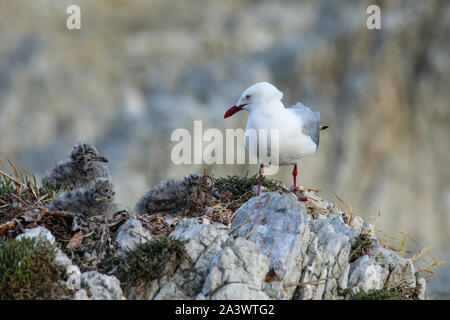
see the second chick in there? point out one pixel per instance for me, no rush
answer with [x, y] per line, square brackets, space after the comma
[97, 200]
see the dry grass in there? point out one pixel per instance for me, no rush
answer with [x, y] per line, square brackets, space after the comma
[421, 256]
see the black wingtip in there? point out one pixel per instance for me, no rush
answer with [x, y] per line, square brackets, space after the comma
[323, 127]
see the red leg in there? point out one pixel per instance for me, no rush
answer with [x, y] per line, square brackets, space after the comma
[261, 172]
[294, 174]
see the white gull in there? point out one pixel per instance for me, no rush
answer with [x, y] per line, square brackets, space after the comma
[298, 127]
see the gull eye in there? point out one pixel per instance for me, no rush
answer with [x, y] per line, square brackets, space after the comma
[247, 97]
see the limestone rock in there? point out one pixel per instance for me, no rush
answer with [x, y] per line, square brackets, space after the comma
[240, 263]
[366, 274]
[239, 291]
[403, 275]
[38, 232]
[101, 287]
[131, 233]
[278, 224]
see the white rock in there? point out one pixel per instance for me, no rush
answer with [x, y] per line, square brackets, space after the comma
[74, 277]
[357, 223]
[239, 291]
[242, 263]
[80, 295]
[385, 257]
[366, 274]
[130, 234]
[275, 290]
[282, 233]
[423, 285]
[403, 275]
[74, 282]
[170, 292]
[61, 260]
[100, 286]
[37, 233]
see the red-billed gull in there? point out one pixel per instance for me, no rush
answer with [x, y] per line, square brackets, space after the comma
[298, 127]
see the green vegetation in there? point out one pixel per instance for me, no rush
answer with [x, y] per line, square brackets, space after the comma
[27, 270]
[241, 185]
[149, 260]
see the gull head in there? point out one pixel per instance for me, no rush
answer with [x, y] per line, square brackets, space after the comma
[259, 94]
[103, 190]
[85, 153]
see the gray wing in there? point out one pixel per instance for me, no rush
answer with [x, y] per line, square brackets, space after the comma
[310, 121]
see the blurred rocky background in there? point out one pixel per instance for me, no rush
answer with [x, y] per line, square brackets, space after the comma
[139, 69]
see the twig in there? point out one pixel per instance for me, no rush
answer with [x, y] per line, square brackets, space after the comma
[302, 284]
[18, 198]
[140, 234]
[13, 179]
[246, 221]
[260, 219]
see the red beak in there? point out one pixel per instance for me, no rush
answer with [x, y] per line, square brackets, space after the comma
[233, 110]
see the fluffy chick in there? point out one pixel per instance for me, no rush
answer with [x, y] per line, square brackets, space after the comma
[84, 165]
[97, 200]
[175, 195]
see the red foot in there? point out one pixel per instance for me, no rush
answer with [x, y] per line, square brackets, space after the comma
[261, 172]
[294, 174]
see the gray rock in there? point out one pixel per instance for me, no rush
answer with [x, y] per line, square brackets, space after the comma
[61, 260]
[278, 224]
[273, 231]
[170, 291]
[203, 243]
[327, 267]
[131, 233]
[275, 290]
[385, 257]
[80, 295]
[240, 263]
[239, 291]
[101, 287]
[366, 274]
[423, 285]
[403, 275]
[37, 233]
[74, 277]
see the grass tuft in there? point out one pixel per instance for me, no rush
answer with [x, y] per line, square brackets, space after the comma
[27, 271]
[23, 184]
[150, 260]
[240, 185]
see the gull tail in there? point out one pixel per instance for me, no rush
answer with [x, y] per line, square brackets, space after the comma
[323, 127]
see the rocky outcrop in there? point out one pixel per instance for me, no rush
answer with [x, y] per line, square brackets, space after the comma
[275, 248]
[85, 286]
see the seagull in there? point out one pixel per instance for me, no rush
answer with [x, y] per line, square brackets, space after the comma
[298, 127]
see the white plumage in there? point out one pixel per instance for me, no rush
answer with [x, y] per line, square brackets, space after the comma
[298, 127]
